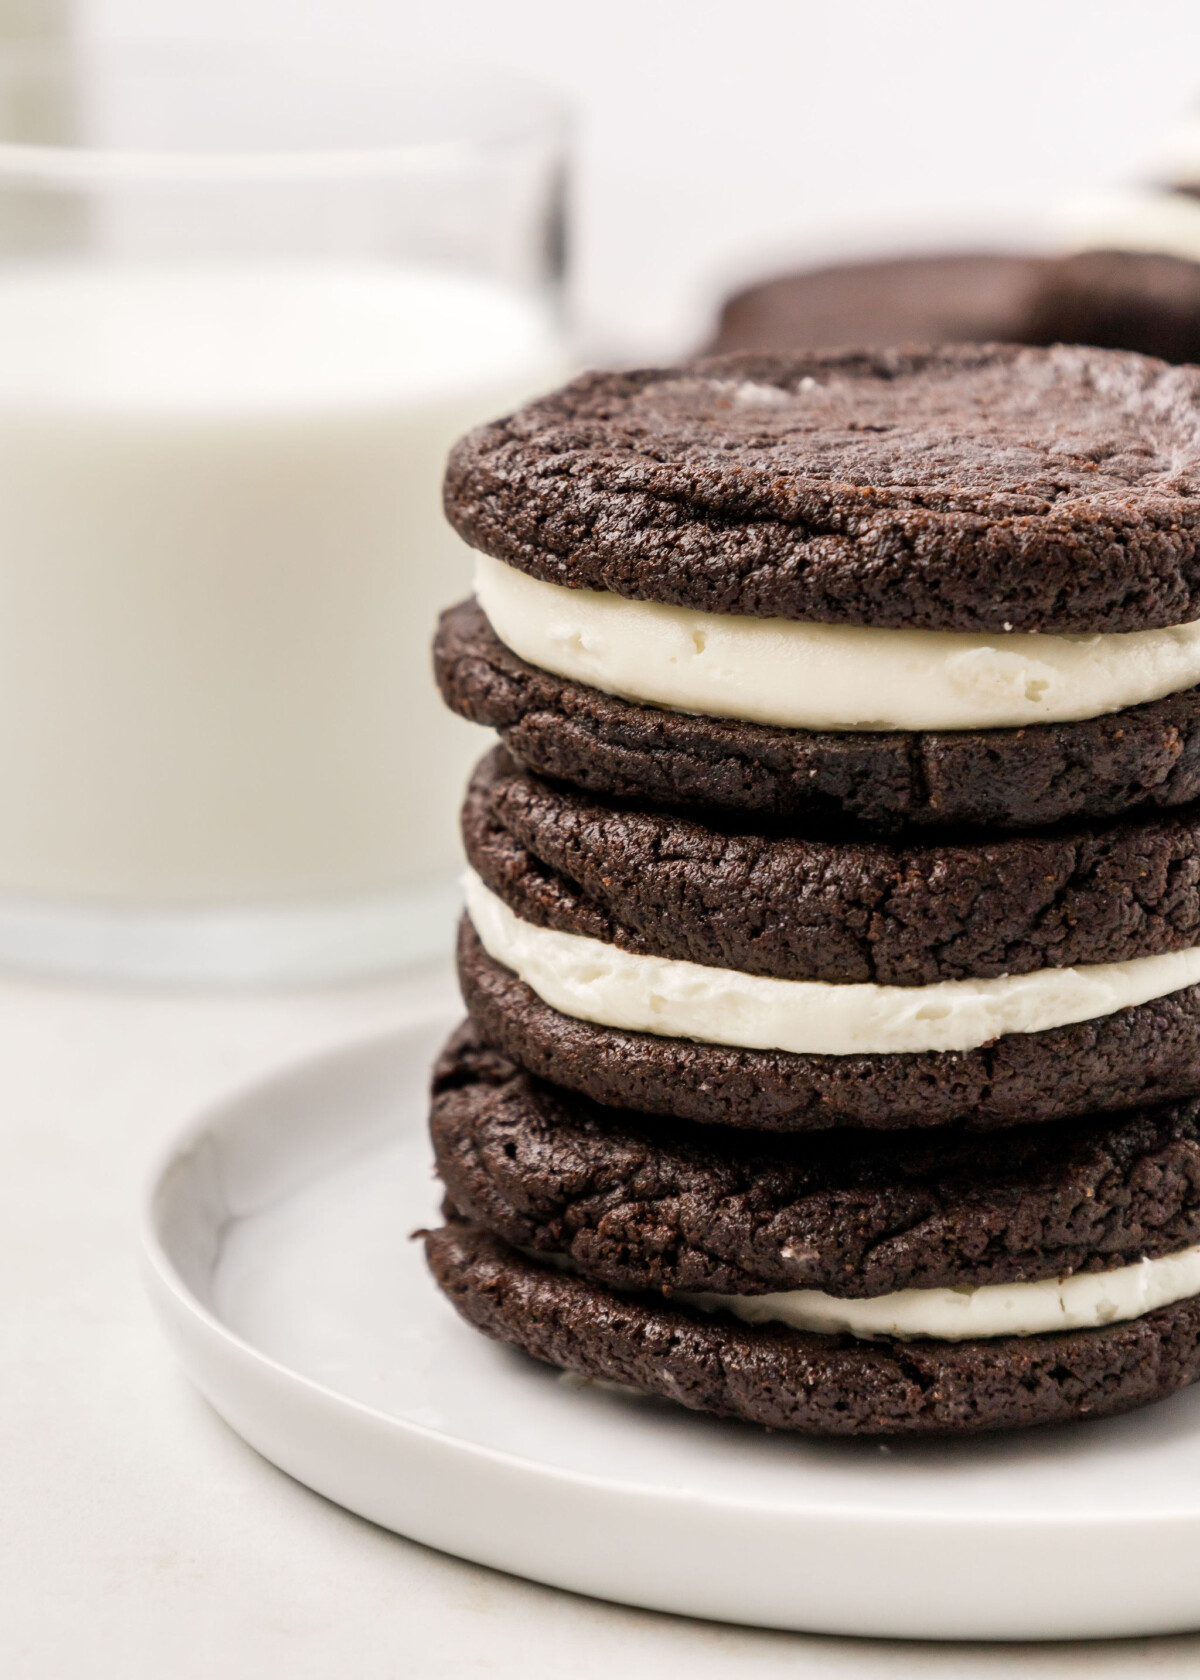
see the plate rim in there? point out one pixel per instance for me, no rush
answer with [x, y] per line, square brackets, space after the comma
[172, 1295]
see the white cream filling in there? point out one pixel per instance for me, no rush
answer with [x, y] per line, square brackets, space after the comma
[828, 676]
[592, 981]
[1082, 1301]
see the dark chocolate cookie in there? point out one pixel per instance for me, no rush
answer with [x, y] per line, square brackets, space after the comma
[1148, 756]
[1150, 1053]
[1115, 300]
[636, 1203]
[979, 488]
[1121, 300]
[962, 297]
[772, 1375]
[840, 911]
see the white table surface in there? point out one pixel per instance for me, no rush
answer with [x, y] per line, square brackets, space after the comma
[140, 1539]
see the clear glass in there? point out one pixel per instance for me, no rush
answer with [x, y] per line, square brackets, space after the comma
[247, 302]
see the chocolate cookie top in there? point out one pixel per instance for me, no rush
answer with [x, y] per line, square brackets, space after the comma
[977, 488]
[839, 910]
[646, 1204]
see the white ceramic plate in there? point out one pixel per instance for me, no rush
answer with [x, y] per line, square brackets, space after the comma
[279, 1262]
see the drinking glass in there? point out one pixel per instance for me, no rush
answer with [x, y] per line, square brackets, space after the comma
[248, 299]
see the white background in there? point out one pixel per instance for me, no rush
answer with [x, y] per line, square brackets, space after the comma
[716, 135]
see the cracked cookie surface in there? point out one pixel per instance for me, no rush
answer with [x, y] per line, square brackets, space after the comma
[971, 487]
[639, 1203]
[1150, 1053]
[781, 1378]
[1145, 758]
[836, 910]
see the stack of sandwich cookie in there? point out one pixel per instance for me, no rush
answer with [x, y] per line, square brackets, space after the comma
[849, 708]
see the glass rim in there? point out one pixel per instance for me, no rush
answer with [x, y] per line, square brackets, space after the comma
[533, 110]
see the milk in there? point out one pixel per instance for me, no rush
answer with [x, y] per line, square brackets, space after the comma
[221, 557]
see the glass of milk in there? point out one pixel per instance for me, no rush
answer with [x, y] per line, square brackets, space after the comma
[246, 305]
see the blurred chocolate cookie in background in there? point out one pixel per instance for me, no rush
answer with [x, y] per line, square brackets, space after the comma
[963, 298]
[1118, 300]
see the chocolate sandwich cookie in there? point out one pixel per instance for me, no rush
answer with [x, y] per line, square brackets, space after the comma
[1123, 300]
[821, 1384]
[1118, 300]
[961, 297]
[972, 488]
[838, 910]
[1145, 1053]
[1144, 756]
[641, 1204]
